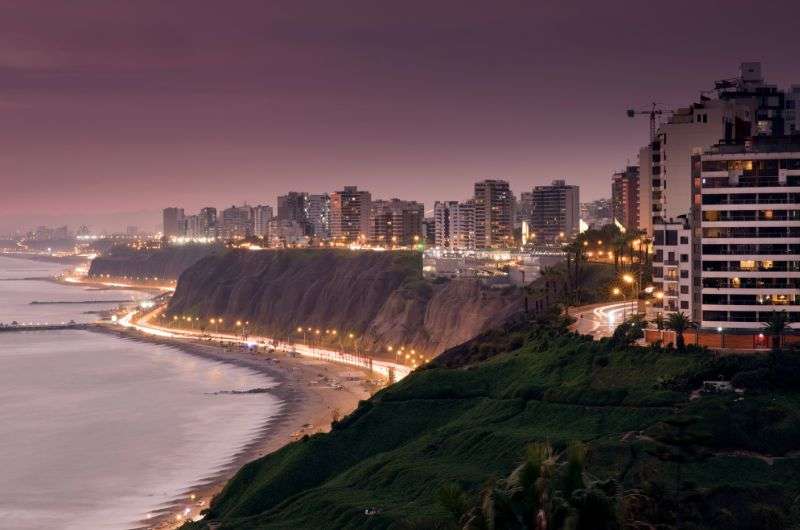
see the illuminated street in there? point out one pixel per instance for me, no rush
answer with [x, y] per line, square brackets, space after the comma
[600, 320]
[383, 368]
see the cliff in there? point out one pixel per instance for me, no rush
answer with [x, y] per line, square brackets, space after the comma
[380, 297]
[165, 263]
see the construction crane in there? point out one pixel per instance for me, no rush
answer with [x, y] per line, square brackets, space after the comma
[652, 113]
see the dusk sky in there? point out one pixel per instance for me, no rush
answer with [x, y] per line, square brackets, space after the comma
[118, 107]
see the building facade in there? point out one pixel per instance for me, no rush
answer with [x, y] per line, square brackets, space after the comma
[747, 230]
[625, 197]
[350, 209]
[742, 108]
[174, 222]
[262, 215]
[672, 267]
[237, 222]
[454, 225]
[494, 211]
[396, 223]
[556, 212]
[208, 222]
[318, 213]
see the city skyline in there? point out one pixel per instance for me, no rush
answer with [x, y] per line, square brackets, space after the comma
[376, 97]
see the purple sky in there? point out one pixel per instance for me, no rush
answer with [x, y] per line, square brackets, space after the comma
[113, 106]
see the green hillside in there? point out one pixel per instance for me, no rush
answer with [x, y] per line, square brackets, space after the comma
[593, 435]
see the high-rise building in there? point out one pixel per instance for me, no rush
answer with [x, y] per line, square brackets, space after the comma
[493, 214]
[294, 207]
[647, 161]
[174, 222]
[744, 107]
[556, 212]
[208, 222]
[792, 110]
[262, 215]
[193, 228]
[625, 197]
[237, 222]
[746, 225]
[597, 213]
[462, 226]
[442, 223]
[318, 213]
[672, 266]
[396, 222]
[282, 233]
[525, 209]
[350, 209]
[429, 231]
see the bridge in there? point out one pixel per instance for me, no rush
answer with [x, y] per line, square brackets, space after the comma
[43, 327]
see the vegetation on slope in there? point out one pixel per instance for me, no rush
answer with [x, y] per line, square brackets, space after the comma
[546, 426]
[166, 263]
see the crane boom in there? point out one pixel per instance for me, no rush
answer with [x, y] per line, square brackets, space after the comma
[652, 113]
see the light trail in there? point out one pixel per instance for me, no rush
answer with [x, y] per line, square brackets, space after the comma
[386, 369]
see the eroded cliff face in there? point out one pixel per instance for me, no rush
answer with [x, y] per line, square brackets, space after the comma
[166, 263]
[380, 297]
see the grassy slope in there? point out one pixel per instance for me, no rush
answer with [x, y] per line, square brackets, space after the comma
[467, 424]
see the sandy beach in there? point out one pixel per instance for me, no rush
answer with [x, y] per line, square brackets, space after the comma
[312, 393]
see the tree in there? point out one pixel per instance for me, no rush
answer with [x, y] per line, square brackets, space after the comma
[776, 327]
[574, 261]
[678, 322]
[628, 332]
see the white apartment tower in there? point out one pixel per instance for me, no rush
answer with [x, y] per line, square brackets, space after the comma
[747, 230]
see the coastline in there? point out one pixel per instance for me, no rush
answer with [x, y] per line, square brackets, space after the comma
[307, 407]
[46, 258]
[307, 402]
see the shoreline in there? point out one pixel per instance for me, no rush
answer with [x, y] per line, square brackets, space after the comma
[307, 407]
[302, 385]
[46, 258]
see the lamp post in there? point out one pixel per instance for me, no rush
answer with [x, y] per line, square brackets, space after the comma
[630, 280]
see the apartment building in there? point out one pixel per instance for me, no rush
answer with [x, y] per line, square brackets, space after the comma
[625, 197]
[174, 222]
[350, 209]
[454, 225]
[747, 232]
[672, 267]
[494, 209]
[556, 212]
[262, 215]
[735, 110]
[396, 222]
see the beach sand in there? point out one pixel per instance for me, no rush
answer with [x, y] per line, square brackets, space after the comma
[311, 391]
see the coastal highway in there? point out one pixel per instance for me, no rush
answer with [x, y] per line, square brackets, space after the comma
[600, 320]
[383, 368]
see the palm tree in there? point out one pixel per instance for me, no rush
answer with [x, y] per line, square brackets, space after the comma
[776, 327]
[574, 260]
[678, 322]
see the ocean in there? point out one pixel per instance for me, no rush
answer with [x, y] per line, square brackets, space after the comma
[98, 431]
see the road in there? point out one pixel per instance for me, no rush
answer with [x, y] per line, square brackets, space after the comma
[383, 368]
[600, 320]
